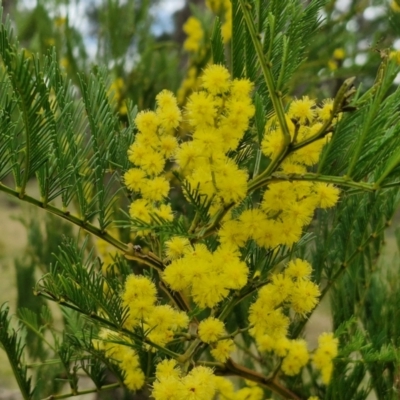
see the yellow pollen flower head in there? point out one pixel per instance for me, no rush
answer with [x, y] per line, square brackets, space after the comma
[134, 179]
[167, 369]
[176, 246]
[298, 269]
[211, 329]
[216, 79]
[302, 110]
[147, 121]
[223, 349]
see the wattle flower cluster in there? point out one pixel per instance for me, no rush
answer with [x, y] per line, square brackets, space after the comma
[195, 33]
[218, 115]
[325, 353]
[125, 357]
[208, 276]
[199, 384]
[304, 120]
[287, 206]
[154, 145]
[291, 289]
[161, 321]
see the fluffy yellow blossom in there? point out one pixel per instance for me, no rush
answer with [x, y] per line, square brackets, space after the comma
[216, 79]
[211, 329]
[176, 247]
[155, 189]
[304, 296]
[168, 145]
[298, 269]
[231, 233]
[125, 357]
[201, 110]
[325, 112]
[250, 393]
[167, 388]
[327, 195]
[167, 369]
[168, 112]
[199, 384]
[302, 110]
[139, 209]
[272, 143]
[152, 163]
[222, 349]
[134, 178]
[164, 212]
[147, 121]
[296, 358]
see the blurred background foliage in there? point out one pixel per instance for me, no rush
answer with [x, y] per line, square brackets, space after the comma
[144, 45]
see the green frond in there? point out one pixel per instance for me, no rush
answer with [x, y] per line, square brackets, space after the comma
[237, 41]
[217, 45]
[76, 280]
[12, 345]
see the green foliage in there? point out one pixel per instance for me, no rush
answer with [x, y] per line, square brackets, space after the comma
[12, 345]
[67, 131]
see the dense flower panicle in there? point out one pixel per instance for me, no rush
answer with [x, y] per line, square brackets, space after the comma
[124, 356]
[290, 289]
[161, 320]
[296, 358]
[149, 153]
[218, 115]
[198, 384]
[219, 118]
[207, 275]
[194, 30]
[325, 353]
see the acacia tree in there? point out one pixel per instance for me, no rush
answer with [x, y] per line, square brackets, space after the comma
[246, 208]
